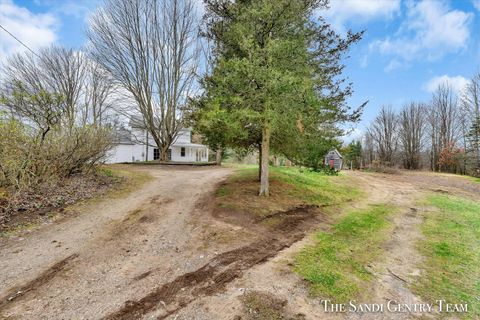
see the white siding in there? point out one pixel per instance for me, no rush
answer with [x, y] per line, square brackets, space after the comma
[190, 154]
[137, 151]
[120, 153]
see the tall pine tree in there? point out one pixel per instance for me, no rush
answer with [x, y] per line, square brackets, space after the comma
[276, 75]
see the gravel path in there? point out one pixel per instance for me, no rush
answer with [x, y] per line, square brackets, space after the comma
[87, 266]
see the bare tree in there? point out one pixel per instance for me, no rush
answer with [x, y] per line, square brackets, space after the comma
[443, 121]
[64, 70]
[85, 88]
[412, 123]
[150, 48]
[470, 109]
[42, 110]
[99, 95]
[383, 132]
[368, 149]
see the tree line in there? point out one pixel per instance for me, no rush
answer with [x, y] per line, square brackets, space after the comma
[442, 135]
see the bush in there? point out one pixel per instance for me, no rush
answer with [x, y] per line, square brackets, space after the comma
[26, 160]
[325, 170]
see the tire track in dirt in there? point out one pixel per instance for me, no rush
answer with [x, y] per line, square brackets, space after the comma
[116, 243]
[213, 277]
[397, 270]
[19, 291]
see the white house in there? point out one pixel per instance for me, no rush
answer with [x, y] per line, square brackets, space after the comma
[137, 145]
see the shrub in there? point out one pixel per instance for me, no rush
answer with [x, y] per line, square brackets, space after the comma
[327, 170]
[27, 161]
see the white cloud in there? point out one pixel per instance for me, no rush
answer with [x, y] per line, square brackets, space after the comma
[78, 9]
[476, 4]
[458, 83]
[342, 11]
[430, 30]
[394, 65]
[35, 30]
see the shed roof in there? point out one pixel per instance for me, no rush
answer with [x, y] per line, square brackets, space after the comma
[334, 150]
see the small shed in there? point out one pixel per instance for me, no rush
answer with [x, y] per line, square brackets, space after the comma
[334, 159]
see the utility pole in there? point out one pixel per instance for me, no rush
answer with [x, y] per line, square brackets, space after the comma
[146, 155]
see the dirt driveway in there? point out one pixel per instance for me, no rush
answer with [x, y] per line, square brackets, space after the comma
[152, 254]
[114, 251]
[394, 273]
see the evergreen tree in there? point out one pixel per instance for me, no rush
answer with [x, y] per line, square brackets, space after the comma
[275, 77]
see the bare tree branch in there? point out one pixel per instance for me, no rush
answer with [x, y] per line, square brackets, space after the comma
[150, 48]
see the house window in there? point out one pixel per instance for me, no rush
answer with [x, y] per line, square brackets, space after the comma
[182, 152]
[156, 154]
[169, 154]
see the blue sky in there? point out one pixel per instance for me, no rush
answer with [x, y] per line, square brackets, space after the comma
[408, 47]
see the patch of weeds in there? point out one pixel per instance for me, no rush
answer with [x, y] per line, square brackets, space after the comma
[335, 266]
[475, 179]
[106, 172]
[222, 191]
[264, 306]
[451, 246]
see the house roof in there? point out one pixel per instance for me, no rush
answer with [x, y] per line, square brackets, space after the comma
[180, 144]
[123, 136]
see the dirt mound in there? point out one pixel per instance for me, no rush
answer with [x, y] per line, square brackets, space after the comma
[225, 267]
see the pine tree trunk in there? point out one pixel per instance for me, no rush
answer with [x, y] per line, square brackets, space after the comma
[264, 187]
[260, 162]
[218, 157]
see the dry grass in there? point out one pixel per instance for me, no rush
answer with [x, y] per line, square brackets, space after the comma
[265, 306]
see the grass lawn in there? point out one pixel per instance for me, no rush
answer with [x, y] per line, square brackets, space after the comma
[289, 187]
[132, 179]
[452, 251]
[475, 179]
[335, 265]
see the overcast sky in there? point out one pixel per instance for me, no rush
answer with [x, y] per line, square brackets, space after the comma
[408, 48]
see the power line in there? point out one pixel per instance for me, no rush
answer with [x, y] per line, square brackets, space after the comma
[19, 41]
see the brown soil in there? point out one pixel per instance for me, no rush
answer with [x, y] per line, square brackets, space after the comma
[43, 278]
[266, 306]
[213, 277]
[161, 252]
[394, 272]
[39, 204]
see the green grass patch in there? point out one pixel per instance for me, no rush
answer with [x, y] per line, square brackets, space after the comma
[452, 250]
[289, 187]
[317, 188]
[474, 179]
[335, 265]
